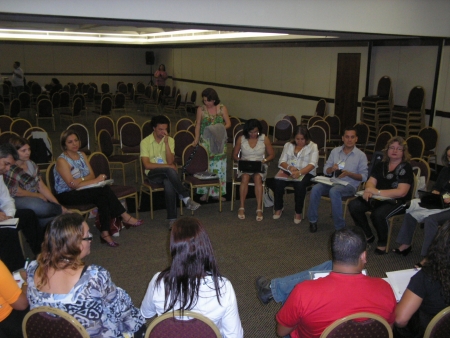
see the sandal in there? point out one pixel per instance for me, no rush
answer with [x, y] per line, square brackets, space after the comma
[111, 243]
[259, 218]
[241, 216]
[136, 224]
[204, 198]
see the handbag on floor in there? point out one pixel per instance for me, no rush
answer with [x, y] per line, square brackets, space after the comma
[268, 197]
[115, 225]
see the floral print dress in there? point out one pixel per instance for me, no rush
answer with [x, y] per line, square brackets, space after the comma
[217, 162]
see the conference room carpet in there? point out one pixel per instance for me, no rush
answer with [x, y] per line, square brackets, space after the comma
[244, 249]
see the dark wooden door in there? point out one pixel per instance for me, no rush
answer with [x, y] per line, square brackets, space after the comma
[347, 83]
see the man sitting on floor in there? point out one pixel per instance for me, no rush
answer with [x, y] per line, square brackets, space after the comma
[157, 155]
[315, 304]
[347, 163]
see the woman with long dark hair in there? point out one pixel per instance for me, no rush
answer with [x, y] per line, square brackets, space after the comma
[428, 292]
[193, 281]
[300, 159]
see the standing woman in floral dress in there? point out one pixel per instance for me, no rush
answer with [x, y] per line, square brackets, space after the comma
[211, 113]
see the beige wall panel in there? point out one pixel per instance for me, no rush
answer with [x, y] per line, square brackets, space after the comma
[138, 59]
[69, 59]
[177, 63]
[209, 64]
[270, 60]
[186, 63]
[198, 57]
[252, 68]
[385, 61]
[9, 53]
[417, 68]
[119, 60]
[94, 60]
[39, 59]
[247, 105]
[317, 72]
[443, 92]
[292, 70]
[228, 64]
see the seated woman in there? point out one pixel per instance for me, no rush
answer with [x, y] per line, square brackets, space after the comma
[73, 171]
[430, 217]
[252, 146]
[428, 292]
[13, 304]
[393, 178]
[60, 279]
[193, 281]
[26, 187]
[300, 157]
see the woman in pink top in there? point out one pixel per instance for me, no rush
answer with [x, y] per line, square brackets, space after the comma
[160, 77]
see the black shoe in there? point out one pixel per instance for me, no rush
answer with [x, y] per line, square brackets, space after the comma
[263, 289]
[380, 252]
[404, 252]
[312, 226]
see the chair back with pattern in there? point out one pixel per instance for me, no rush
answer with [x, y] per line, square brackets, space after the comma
[313, 120]
[14, 108]
[321, 108]
[83, 134]
[169, 325]
[25, 100]
[319, 136]
[106, 106]
[382, 140]
[430, 137]
[200, 161]
[44, 108]
[56, 100]
[384, 87]
[373, 327]
[389, 128]
[416, 146]
[64, 101]
[324, 124]
[193, 96]
[183, 124]
[439, 327]
[100, 164]
[106, 123]
[416, 98]
[265, 127]
[4, 137]
[122, 88]
[121, 121]
[105, 143]
[182, 139]
[283, 131]
[234, 121]
[105, 88]
[192, 129]
[19, 126]
[119, 100]
[335, 126]
[48, 322]
[147, 128]
[130, 138]
[291, 118]
[363, 132]
[5, 123]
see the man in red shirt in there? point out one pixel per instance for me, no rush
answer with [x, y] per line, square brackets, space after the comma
[315, 304]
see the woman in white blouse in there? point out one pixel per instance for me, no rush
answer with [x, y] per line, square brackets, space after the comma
[299, 159]
[193, 281]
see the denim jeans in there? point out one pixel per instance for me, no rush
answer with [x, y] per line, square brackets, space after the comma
[172, 188]
[45, 211]
[335, 193]
[282, 287]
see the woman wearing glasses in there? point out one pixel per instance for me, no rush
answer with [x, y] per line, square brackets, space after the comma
[386, 192]
[212, 113]
[431, 218]
[60, 279]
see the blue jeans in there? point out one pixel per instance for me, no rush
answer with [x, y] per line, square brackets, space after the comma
[335, 193]
[282, 287]
[45, 211]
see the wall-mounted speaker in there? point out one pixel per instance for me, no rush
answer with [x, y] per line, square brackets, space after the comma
[150, 58]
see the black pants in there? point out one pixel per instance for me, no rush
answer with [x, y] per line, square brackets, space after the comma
[106, 201]
[11, 326]
[381, 212]
[299, 192]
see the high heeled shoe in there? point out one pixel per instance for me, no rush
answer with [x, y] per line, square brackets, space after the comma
[241, 216]
[259, 218]
[111, 244]
[136, 224]
[277, 216]
[403, 252]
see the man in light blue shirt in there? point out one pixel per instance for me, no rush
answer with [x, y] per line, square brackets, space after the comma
[347, 163]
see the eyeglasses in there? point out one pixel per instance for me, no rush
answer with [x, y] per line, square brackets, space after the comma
[88, 238]
[393, 148]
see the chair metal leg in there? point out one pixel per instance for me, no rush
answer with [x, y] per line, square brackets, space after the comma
[136, 205]
[151, 204]
[220, 197]
[233, 191]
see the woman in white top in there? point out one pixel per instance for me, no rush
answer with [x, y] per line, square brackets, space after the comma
[193, 281]
[252, 146]
[299, 159]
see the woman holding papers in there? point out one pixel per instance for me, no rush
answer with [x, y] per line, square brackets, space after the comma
[298, 164]
[193, 281]
[26, 187]
[386, 192]
[428, 292]
[72, 172]
[430, 217]
[252, 146]
[59, 278]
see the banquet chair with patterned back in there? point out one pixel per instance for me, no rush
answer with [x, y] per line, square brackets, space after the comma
[182, 139]
[199, 163]
[119, 102]
[265, 127]
[14, 108]
[430, 137]
[25, 102]
[130, 138]
[183, 124]
[121, 121]
[282, 133]
[389, 128]
[105, 107]
[19, 126]
[234, 121]
[83, 134]
[100, 165]
[49, 322]
[106, 123]
[373, 327]
[146, 128]
[196, 325]
[5, 136]
[439, 327]
[73, 113]
[5, 123]
[335, 128]
[380, 144]
[416, 146]
[313, 120]
[319, 137]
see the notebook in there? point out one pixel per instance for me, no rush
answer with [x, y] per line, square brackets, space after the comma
[251, 166]
[429, 200]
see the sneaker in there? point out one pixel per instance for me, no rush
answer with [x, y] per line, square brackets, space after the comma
[263, 289]
[192, 205]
